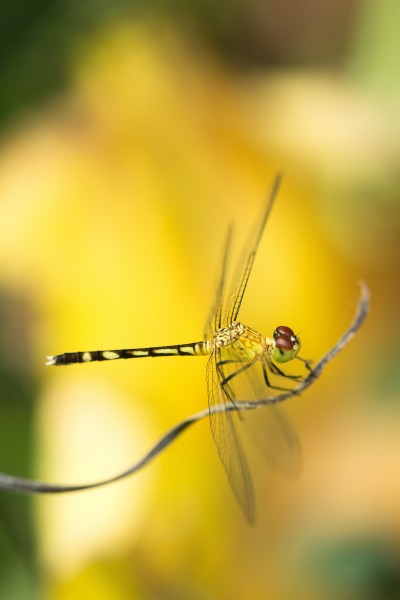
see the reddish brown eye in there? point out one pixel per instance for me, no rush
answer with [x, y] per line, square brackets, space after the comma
[284, 343]
[283, 330]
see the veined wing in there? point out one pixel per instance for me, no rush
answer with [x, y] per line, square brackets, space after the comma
[227, 441]
[274, 434]
[245, 264]
[268, 425]
[214, 320]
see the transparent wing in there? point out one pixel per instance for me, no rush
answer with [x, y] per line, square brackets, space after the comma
[226, 439]
[214, 320]
[245, 263]
[274, 434]
[268, 426]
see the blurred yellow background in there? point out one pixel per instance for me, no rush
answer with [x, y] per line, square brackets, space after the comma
[116, 191]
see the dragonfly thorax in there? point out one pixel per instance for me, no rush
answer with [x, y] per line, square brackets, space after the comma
[227, 335]
[244, 343]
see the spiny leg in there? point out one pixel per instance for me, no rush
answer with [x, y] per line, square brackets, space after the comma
[226, 388]
[307, 362]
[225, 380]
[221, 376]
[278, 372]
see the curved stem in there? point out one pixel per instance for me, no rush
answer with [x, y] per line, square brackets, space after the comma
[19, 484]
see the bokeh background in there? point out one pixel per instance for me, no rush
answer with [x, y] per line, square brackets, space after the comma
[131, 135]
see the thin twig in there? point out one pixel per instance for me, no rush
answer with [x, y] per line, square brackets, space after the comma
[19, 484]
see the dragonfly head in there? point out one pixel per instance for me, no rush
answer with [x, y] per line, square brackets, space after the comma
[286, 346]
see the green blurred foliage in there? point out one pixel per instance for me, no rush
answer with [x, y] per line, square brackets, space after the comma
[367, 568]
[18, 563]
[38, 37]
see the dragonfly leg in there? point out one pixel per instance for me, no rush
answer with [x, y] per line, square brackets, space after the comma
[225, 379]
[277, 372]
[232, 375]
[307, 362]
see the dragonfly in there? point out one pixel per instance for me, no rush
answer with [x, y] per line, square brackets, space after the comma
[243, 365]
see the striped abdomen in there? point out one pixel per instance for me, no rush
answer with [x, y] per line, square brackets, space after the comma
[70, 358]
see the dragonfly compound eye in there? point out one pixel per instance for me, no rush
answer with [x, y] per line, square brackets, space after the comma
[284, 343]
[287, 345]
[282, 330]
